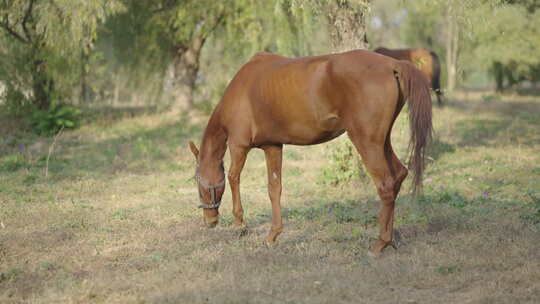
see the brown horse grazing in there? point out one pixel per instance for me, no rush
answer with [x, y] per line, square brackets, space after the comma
[426, 61]
[274, 100]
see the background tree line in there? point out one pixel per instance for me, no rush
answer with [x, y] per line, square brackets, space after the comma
[180, 54]
[482, 43]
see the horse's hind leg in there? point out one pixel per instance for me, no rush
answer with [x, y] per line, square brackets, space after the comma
[238, 159]
[273, 156]
[399, 171]
[387, 174]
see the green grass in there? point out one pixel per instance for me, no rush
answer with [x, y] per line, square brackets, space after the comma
[116, 220]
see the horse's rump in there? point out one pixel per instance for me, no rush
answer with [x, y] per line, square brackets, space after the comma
[426, 61]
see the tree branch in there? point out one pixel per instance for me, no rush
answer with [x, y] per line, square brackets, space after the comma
[166, 6]
[25, 19]
[5, 26]
[220, 18]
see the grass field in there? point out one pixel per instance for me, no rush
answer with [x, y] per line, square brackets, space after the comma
[115, 219]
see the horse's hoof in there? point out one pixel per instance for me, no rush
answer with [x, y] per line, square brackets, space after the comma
[373, 255]
[243, 231]
[211, 225]
[267, 244]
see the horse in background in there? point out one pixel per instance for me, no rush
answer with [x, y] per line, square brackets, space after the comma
[274, 101]
[426, 61]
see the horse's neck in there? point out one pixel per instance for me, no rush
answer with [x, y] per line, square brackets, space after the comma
[213, 147]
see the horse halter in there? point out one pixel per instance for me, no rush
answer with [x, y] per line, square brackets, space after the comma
[212, 188]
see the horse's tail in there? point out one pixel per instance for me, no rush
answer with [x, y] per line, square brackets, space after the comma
[414, 87]
[436, 78]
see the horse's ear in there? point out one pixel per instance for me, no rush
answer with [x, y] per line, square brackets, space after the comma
[194, 149]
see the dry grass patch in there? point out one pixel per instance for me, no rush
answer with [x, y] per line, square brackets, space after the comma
[116, 220]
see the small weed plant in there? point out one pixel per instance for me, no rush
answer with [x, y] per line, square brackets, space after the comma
[12, 163]
[57, 117]
[533, 214]
[344, 164]
[490, 98]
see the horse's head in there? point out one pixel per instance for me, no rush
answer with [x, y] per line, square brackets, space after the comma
[211, 188]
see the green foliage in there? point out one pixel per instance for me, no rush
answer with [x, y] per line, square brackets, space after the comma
[420, 28]
[490, 98]
[12, 163]
[533, 214]
[344, 164]
[515, 26]
[445, 197]
[446, 269]
[121, 214]
[287, 27]
[9, 275]
[292, 22]
[55, 118]
[15, 102]
[338, 212]
[451, 199]
[46, 266]
[44, 44]
[124, 50]
[495, 38]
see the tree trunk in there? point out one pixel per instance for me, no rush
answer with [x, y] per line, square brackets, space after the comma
[42, 85]
[498, 73]
[347, 26]
[182, 75]
[452, 38]
[85, 90]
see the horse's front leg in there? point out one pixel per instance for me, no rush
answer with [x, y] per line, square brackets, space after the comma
[273, 156]
[238, 159]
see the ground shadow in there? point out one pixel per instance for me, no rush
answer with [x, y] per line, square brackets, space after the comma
[516, 120]
[139, 151]
[346, 211]
[438, 147]
[480, 132]
[105, 115]
[428, 216]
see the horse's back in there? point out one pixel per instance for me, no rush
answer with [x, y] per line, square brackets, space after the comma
[421, 58]
[399, 54]
[300, 100]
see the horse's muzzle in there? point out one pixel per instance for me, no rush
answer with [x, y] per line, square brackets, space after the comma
[211, 222]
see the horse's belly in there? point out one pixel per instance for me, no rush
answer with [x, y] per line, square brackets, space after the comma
[300, 132]
[317, 139]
